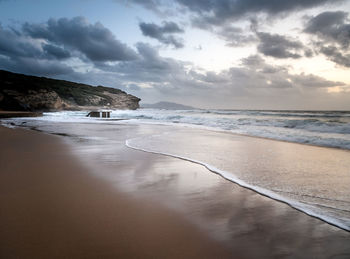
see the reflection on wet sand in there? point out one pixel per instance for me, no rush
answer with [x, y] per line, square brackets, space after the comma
[240, 218]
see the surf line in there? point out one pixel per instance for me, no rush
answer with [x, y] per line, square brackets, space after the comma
[262, 191]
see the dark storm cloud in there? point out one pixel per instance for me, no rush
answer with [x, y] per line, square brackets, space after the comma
[41, 49]
[12, 45]
[218, 16]
[235, 36]
[153, 30]
[95, 41]
[148, 4]
[33, 66]
[336, 55]
[279, 76]
[56, 52]
[163, 33]
[331, 26]
[170, 79]
[333, 36]
[160, 78]
[22, 54]
[218, 12]
[279, 46]
[149, 68]
[257, 63]
[313, 81]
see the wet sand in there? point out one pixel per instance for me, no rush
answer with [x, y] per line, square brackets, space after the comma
[13, 114]
[243, 223]
[316, 176]
[52, 208]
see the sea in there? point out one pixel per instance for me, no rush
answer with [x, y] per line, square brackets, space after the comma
[317, 186]
[320, 128]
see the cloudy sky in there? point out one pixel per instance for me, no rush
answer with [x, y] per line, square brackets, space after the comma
[240, 54]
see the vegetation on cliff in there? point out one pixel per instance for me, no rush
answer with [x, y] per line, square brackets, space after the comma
[30, 93]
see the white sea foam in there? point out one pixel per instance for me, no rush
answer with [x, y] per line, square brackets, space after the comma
[318, 128]
[330, 129]
[306, 208]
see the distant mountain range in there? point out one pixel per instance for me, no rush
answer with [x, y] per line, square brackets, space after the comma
[167, 106]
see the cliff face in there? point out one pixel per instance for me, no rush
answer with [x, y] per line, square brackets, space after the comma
[29, 93]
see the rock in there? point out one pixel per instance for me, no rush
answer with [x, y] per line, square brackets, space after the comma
[30, 93]
[36, 100]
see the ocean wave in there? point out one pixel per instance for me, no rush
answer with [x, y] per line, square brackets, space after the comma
[325, 128]
[307, 208]
[316, 131]
[303, 114]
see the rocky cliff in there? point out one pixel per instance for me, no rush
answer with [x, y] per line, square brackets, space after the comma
[30, 93]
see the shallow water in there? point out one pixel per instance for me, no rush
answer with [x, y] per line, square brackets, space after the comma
[312, 179]
[322, 128]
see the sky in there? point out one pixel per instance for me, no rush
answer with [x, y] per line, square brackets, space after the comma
[224, 54]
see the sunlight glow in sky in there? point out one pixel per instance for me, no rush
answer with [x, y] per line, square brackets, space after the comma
[221, 54]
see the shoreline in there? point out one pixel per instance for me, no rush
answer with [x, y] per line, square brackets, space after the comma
[229, 175]
[244, 222]
[221, 174]
[264, 192]
[184, 125]
[219, 207]
[16, 114]
[53, 208]
[223, 131]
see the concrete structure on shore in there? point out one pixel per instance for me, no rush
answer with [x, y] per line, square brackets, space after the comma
[99, 114]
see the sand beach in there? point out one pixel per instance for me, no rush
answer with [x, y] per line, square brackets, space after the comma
[52, 208]
[73, 196]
